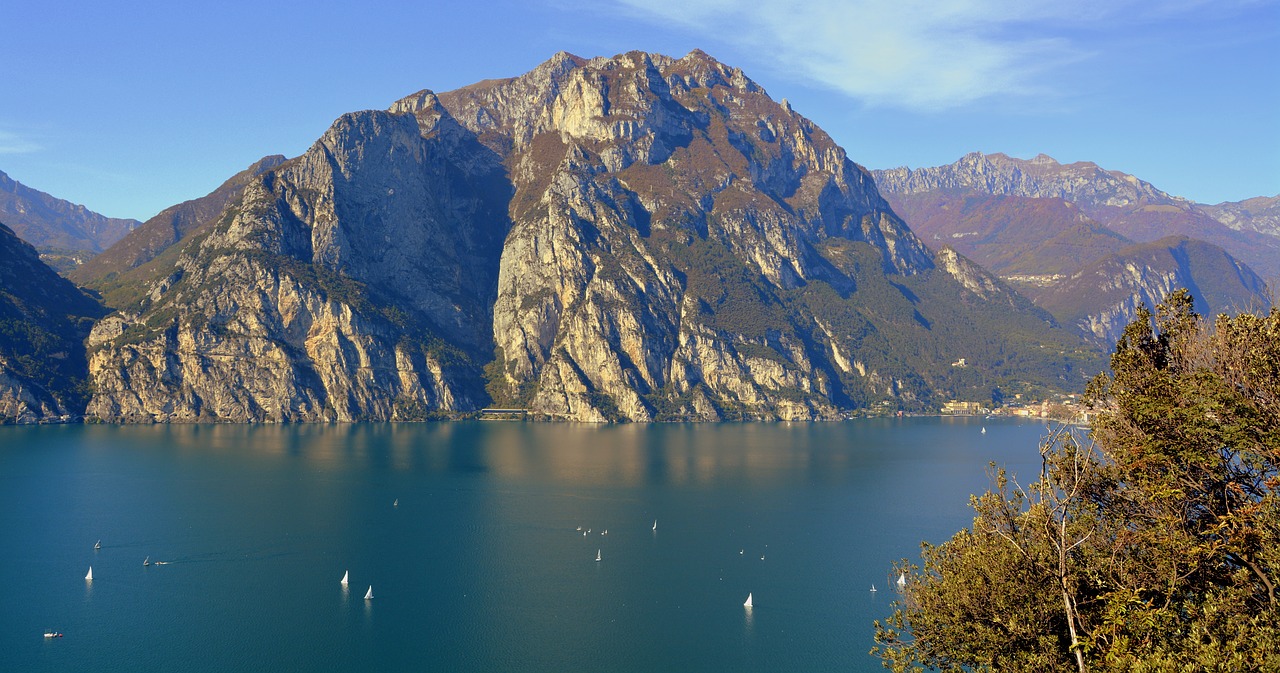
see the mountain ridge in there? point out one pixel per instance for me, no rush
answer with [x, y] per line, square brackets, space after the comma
[668, 243]
[68, 231]
[1087, 244]
[1121, 202]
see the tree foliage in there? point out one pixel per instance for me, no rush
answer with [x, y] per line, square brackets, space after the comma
[1154, 547]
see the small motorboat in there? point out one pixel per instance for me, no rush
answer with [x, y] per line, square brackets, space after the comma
[52, 634]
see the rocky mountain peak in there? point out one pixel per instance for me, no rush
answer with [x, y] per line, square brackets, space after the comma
[632, 237]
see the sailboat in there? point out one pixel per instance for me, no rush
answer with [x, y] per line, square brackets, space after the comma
[984, 430]
[655, 524]
[97, 545]
[146, 561]
[368, 595]
[345, 575]
[873, 588]
[748, 603]
[89, 577]
[902, 579]
[396, 503]
[597, 554]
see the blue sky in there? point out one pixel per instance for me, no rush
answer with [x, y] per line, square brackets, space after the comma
[129, 107]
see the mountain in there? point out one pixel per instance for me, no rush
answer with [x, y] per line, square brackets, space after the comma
[44, 320]
[55, 226]
[1103, 297]
[628, 238]
[1122, 203]
[104, 272]
[1260, 214]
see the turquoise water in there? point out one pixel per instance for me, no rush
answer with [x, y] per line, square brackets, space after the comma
[481, 566]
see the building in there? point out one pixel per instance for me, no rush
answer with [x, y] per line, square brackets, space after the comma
[962, 408]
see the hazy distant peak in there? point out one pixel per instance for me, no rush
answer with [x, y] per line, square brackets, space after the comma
[1083, 182]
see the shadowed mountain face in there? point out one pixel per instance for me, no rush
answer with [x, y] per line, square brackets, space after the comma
[1077, 239]
[638, 237]
[43, 322]
[1144, 274]
[67, 231]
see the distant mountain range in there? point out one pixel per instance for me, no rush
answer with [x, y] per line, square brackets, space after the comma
[64, 232]
[1089, 244]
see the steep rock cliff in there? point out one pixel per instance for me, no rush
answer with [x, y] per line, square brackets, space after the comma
[353, 282]
[627, 238]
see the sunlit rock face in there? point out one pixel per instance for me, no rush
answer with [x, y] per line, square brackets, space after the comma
[629, 238]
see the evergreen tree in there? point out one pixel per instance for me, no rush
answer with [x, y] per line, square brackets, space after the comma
[1155, 547]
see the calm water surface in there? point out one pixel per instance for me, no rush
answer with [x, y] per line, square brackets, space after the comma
[481, 566]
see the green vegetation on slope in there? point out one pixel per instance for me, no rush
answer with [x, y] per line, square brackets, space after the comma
[1156, 548]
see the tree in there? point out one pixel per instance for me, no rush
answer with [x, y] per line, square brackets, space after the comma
[1154, 547]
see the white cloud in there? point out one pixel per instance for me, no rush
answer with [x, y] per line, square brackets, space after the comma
[917, 54]
[11, 143]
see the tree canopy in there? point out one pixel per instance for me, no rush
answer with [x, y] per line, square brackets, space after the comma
[1154, 546]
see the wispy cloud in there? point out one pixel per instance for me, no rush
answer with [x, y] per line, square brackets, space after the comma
[917, 54]
[12, 143]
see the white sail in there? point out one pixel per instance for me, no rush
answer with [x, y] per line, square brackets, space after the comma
[368, 596]
[89, 577]
[748, 603]
[655, 524]
[597, 554]
[902, 579]
[345, 575]
[873, 588]
[97, 545]
[146, 561]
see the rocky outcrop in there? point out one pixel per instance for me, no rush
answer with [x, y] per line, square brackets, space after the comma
[628, 238]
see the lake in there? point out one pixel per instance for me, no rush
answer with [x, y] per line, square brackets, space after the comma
[479, 540]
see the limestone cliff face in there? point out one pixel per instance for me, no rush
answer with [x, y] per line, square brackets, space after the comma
[630, 238]
[350, 283]
[620, 167]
